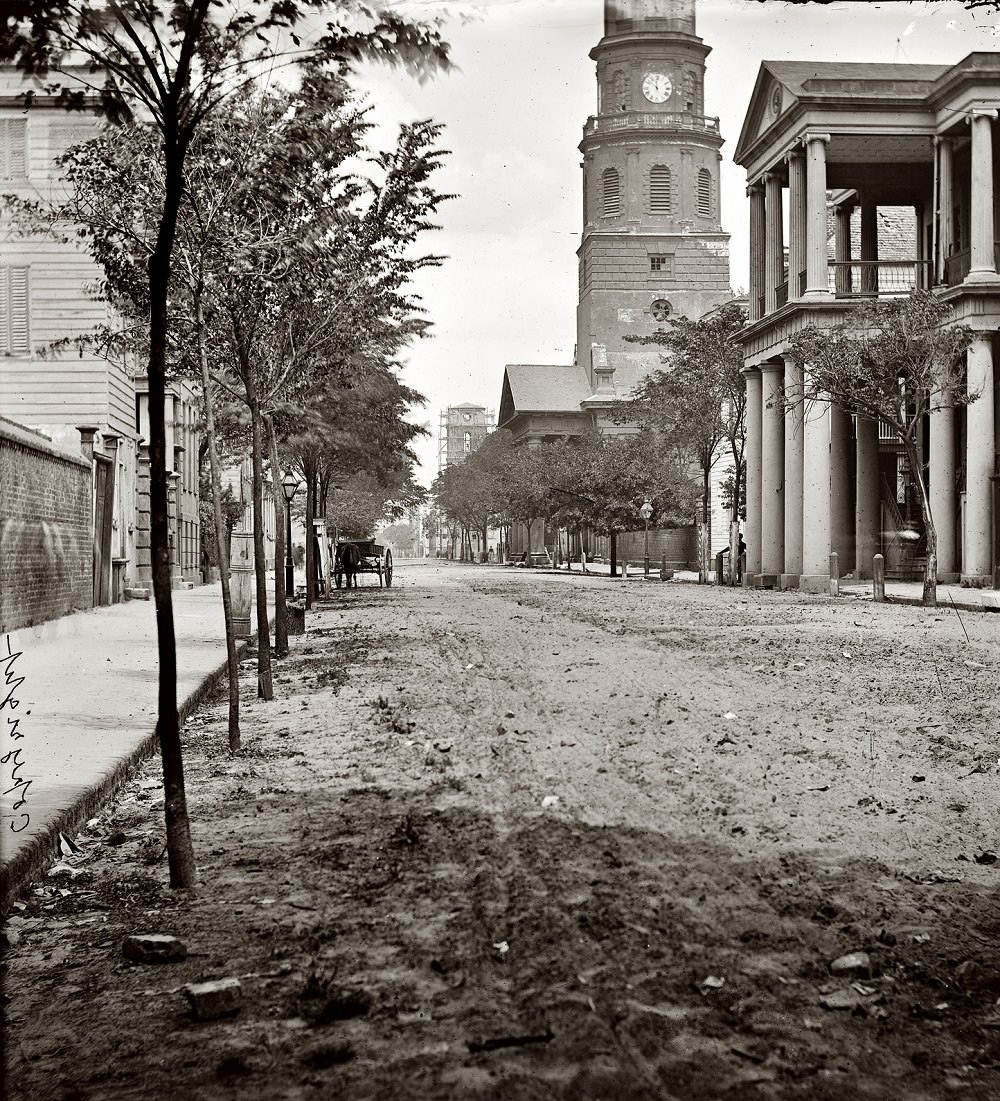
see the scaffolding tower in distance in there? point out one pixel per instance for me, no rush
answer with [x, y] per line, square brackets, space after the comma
[463, 428]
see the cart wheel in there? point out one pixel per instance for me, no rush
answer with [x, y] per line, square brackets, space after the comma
[388, 568]
[338, 578]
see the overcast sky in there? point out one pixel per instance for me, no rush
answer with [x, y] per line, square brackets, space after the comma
[514, 110]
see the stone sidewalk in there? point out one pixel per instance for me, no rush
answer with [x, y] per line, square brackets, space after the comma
[85, 687]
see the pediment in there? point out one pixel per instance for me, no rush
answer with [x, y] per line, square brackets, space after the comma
[770, 100]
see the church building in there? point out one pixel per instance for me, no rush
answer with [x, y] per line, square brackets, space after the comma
[652, 242]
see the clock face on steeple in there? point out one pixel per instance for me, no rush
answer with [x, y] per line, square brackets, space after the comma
[656, 87]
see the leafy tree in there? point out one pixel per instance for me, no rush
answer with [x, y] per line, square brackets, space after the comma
[896, 361]
[179, 63]
[697, 401]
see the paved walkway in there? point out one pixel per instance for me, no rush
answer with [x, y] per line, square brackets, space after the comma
[85, 687]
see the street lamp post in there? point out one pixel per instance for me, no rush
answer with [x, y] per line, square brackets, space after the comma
[645, 512]
[289, 486]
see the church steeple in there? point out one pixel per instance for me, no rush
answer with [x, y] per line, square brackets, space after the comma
[653, 242]
[625, 16]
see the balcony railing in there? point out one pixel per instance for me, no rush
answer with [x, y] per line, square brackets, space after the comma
[650, 120]
[877, 278]
[958, 265]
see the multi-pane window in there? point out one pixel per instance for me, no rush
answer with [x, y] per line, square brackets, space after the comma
[14, 334]
[611, 192]
[659, 189]
[704, 192]
[663, 265]
[13, 149]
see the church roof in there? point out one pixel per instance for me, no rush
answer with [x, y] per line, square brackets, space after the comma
[542, 388]
[815, 77]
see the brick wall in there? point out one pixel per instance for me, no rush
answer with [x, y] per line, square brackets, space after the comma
[46, 535]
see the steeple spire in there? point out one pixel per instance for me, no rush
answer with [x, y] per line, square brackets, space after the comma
[627, 16]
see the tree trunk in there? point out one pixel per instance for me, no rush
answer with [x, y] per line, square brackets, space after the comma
[281, 507]
[929, 599]
[613, 539]
[264, 687]
[734, 527]
[223, 534]
[706, 526]
[180, 851]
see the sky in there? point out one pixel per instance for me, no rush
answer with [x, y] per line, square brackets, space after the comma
[514, 109]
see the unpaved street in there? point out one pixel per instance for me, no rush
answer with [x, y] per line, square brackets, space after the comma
[511, 835]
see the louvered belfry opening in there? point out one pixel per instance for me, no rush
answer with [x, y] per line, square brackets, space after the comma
[612, 191]
[704, 192]
[659, 189]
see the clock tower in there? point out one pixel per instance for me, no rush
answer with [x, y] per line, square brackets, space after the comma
[653, 244]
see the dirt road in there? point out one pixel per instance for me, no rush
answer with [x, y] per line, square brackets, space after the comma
[518, 835]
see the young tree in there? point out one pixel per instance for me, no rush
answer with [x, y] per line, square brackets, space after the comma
[698, 402]
[896, 361]
[179, 63]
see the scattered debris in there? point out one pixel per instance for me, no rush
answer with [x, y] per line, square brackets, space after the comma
[550, 801]
[326, 1053]
[502, 947]
[987, 857]
[854, 963]
[497, 1042]
[711, 982]
[220, 998]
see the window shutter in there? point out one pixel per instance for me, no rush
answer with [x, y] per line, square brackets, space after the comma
[14, 334]
[704, 192]
[659, 189]
[13, 149]
[612, 191]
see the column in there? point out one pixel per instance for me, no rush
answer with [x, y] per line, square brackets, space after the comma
[869, 245]
[772, 478]
[983, 260]
[774, 263]
[796, 222]
[757, 249]
[842, 517]
[842, 249]
[815, 577]
[941, 489]
[817, 285]
[753, 455]
[868, 495]
[945, 218]
[980, 447]
[793, 476]
[633, 186]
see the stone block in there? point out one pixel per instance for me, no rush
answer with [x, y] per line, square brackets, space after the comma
[815, 583]
[220, 998]
[153, 948]
[788, 581]
[991, 601]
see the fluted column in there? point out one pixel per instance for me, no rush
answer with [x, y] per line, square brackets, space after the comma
[796, 222]
[793, 475]
[980, 447]
[868, 496]
[774, 263]
[841, 488]
[816, 499]
[757, 249]
[942, 489]
[982, 259]
[944, 211]
[842, 249]
[753, 456]
[869, 246]
[772, 477]
[817, 285]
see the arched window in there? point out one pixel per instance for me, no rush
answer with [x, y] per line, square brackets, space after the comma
[690, 91]
[468, 442]
[659, 189]
[704, 192]
[611, 192]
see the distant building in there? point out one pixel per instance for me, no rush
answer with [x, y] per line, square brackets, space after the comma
[462, 429]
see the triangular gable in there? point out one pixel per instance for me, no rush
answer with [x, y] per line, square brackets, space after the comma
[770, 100]
[507, 409]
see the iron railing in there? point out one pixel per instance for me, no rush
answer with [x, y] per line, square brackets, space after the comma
[651, 120]
[877, 278]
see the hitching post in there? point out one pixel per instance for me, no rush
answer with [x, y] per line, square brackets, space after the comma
[878, 573]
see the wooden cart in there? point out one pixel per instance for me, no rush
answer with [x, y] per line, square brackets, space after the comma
[373, 558]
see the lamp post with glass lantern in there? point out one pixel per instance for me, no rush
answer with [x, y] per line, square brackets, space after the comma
[289, 486]
[645, 512]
